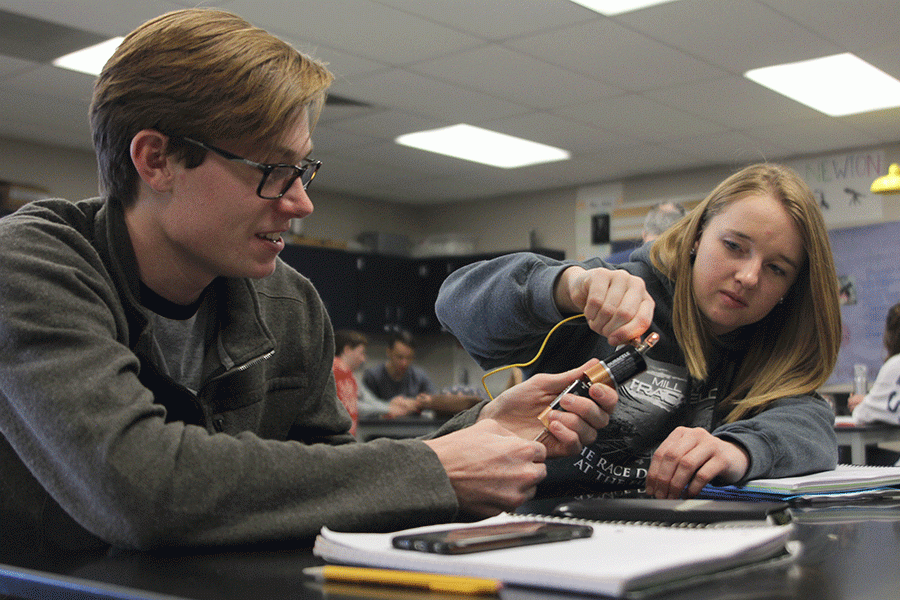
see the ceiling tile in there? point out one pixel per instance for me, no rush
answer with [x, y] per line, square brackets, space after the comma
[388, 124]
[616, 55]
[734, 102]
[98, 16]
[883, 125]
[38, 40]
[419, 94]
[504, 73]
[359, 27]
[820, 134]
[885, 57]
[497, 20]
[627, 115]
[852, 24]
[728, 148]
[340, 63]
[14, 66]
[631, 160]
[556, 130]
[327, 140]
[736, 35]
[46, 80]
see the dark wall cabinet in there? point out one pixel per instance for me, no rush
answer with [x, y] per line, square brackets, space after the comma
[374, 293]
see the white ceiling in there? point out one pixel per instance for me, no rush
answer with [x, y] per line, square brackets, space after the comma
[656, 90]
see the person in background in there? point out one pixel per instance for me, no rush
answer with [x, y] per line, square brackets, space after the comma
[743, 294]
[349, 355]
[658, 219]
[166, 378]
[882, 403]
[405, 386]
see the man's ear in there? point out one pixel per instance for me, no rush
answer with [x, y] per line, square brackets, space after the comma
[153, 164]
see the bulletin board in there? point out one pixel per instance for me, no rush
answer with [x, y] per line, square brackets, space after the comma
[593, 205]
[868, 265]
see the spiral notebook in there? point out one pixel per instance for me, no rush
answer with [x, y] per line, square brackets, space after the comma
[618, 560]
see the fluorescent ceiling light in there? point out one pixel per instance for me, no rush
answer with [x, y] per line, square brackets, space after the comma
[617, 7]
[482, 146]
[837, 85]
[89, 60]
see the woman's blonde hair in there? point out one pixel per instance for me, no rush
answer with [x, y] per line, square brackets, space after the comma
[200, 73]
[794, 348]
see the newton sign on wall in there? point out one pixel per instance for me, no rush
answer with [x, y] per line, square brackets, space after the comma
[841, 183]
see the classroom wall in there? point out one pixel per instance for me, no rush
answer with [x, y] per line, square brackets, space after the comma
[64, 172]
[499, 224]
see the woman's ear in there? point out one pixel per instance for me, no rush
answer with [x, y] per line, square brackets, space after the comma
[701, 227]
[152, 162]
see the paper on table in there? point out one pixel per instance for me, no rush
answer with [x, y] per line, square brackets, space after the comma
[617, 559]
[844, 478]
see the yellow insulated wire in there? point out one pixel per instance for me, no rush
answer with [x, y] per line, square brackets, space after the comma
[536, 356]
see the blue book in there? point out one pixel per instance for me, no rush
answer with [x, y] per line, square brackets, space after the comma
[844, 483]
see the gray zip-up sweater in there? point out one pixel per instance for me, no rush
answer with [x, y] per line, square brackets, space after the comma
[98, 447]
[501, 310]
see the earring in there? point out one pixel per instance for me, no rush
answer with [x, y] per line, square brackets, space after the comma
[780, 300]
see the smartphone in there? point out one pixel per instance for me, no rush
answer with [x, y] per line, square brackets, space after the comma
[462, 540]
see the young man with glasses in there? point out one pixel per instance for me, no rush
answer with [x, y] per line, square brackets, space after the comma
[165, 379]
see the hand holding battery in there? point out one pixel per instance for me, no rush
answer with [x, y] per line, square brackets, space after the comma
[573, 426]
[615, 303]
[622, 365]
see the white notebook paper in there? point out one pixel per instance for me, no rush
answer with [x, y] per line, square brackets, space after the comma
[844, 478]
[617, 559]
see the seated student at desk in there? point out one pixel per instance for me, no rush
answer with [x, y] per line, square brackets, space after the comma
[349, 355]
[882, 403]
[165, 379]
[743, 294]
[404, 386]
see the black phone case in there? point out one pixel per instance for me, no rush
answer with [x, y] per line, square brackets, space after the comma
[464, 540]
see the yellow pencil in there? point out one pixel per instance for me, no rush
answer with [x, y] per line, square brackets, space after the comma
[428, 581]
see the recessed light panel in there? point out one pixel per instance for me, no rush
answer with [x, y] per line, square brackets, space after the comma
[89, 60]
[838, 85]
[482, 146]
[617, 7]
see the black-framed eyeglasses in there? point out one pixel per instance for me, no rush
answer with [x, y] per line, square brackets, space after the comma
[277, 179]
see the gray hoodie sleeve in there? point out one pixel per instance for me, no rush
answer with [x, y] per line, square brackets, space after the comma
[793, 435]
[500, 310]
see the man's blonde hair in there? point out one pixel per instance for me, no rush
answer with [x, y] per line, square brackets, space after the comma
[199, 73]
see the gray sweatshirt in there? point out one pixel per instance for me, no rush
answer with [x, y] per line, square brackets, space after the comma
[501, 311]
[99, 447]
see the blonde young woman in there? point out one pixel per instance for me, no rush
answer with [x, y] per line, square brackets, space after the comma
[743, 294]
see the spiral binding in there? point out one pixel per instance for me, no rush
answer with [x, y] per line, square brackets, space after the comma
[626, 523]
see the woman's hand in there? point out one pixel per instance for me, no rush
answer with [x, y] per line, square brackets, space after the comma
[690, 458]
[517, 409]
[614, 302]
